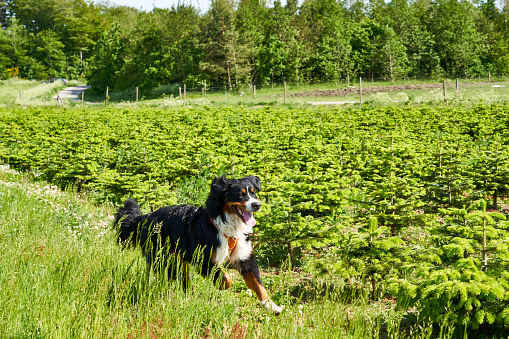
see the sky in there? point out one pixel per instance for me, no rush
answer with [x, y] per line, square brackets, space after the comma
[148, 5]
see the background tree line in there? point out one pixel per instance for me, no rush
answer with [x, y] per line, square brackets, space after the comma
[252, 41]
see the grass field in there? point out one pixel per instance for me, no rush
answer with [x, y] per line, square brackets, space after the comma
[398, 92]
[63, 276]
[30, 92]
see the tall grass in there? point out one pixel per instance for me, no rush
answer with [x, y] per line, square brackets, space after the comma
[29, 92]
[64, 276]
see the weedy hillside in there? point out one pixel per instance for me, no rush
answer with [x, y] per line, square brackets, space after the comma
[63, 276]
[398, 210]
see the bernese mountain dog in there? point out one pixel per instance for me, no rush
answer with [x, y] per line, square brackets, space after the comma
[220, 230]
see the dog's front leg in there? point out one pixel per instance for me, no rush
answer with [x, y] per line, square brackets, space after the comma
[249, 270]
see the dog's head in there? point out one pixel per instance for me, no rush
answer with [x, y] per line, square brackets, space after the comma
[234, 196]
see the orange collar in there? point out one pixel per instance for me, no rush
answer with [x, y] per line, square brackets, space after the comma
[232, 242]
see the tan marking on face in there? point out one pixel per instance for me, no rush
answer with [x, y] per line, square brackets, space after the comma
[252, 190]
[228, 206]
[244, 191]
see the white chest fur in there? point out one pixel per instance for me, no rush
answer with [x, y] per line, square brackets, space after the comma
[234, 228]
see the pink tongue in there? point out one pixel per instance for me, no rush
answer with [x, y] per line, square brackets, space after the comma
[248, 217]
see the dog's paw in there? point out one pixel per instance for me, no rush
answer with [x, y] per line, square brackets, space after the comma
[270, 306]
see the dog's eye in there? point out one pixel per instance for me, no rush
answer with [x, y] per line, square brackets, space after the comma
[243, 191]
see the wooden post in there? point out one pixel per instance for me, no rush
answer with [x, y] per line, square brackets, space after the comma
[284, 85]
[205, 89]
[107, 92]
[489, 76]
[348, 80]
[360, 89]
[254, 92]
[180, 93]
[136, 94]
[445, 94]
[59, 100]
[457, 85]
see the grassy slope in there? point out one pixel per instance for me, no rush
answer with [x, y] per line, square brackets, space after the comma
[63, 276]
[33, 93]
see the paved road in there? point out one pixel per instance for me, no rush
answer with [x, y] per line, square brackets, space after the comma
[73, 93]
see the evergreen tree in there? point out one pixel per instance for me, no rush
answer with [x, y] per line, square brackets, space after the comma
[49, 50]
[227, 53]
[489, 168]
[107, 60]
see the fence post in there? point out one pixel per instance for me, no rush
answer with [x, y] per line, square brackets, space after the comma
[254, 92]
[360, 89]
[457, 85]
[180, 93]
[60, 102]
[284, 84]
[445, 94]
[489, 76]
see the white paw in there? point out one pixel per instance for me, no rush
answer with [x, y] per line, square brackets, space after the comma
[271, 307]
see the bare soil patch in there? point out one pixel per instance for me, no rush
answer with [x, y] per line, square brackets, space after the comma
[375, 89]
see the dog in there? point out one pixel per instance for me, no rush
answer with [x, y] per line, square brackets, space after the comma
[220, 229]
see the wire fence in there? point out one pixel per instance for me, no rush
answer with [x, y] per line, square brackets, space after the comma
[358, 90]
[347, 90]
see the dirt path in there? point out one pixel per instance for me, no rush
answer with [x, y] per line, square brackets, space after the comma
[317, 103]
[73, 93]
[376, 89]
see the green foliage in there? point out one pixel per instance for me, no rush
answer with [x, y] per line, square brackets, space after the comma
[387, 196]
[252, 42]
[376, 255]
[468, 288]
[65, 276]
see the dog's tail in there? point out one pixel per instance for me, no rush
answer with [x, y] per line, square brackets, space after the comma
[124, 222]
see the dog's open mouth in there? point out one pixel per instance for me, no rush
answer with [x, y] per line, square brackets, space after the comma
[247, 217]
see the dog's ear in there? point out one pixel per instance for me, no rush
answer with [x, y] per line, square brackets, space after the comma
[215, 200]
[219, 182]
[255, 181]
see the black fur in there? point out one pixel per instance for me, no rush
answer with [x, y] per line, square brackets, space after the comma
[183, 229]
